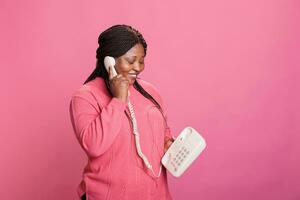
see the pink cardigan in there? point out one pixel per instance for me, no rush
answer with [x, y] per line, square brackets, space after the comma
[114, 170]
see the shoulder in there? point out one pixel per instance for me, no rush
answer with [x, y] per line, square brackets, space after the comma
[148, 86]
[90, 90]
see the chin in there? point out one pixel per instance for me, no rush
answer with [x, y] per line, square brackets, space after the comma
[132, 81]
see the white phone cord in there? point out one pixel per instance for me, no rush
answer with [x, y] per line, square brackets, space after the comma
[137, 140]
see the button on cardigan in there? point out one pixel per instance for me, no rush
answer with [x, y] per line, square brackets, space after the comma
[103, 128]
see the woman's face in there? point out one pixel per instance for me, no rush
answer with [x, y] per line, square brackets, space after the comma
[131, 63]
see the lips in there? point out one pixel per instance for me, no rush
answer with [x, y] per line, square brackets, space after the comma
[133, 75]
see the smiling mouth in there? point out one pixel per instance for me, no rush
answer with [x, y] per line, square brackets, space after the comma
[134, 75]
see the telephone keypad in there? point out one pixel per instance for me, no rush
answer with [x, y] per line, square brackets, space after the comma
[179, 158]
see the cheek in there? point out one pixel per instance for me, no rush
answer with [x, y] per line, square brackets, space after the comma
[123, 67]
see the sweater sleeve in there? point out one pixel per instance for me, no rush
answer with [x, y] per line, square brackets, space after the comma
[95, 128]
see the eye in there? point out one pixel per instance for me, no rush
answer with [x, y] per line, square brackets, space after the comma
[130, 61]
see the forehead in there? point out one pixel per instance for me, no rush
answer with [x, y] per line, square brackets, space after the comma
[136, 50]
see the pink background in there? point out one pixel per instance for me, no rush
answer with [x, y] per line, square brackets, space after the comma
[230, 69]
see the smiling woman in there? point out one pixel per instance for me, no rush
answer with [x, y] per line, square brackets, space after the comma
[104, 125]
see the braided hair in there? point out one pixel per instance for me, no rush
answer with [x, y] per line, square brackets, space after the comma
[116, 41]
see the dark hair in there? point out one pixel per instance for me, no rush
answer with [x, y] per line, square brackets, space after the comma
[116, 41]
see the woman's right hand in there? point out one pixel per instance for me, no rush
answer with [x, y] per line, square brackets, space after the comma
[118, 86]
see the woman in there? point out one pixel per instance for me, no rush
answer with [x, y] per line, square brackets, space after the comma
[103, 124]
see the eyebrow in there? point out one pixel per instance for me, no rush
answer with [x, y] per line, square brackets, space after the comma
[135, 56]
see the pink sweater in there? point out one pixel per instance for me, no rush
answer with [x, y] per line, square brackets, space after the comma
[114, 170]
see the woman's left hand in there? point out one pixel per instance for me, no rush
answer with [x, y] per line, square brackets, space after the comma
[168, 144]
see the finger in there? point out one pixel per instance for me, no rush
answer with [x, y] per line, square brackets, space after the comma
[168, 144]
[110, 73]
[127, 77]
[165, 149]
[123, 78]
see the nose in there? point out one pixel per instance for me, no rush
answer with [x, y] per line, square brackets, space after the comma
[137, 67]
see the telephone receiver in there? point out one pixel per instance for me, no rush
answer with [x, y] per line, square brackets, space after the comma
[109, 62]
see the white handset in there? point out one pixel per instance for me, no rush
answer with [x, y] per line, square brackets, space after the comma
[109, 62]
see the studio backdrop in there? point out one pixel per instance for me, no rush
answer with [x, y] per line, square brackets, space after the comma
[230, 69]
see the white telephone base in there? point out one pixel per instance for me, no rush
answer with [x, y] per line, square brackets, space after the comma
[183, 151]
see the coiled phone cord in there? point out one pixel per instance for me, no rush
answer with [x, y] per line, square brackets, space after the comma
[137, 140]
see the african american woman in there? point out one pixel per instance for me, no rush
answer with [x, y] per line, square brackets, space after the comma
[103, 124]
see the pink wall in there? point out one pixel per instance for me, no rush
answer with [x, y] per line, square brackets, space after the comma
[228, 68]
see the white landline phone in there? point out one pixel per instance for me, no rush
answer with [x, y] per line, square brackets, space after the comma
[183, 151]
